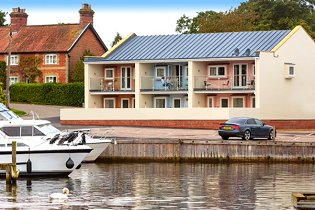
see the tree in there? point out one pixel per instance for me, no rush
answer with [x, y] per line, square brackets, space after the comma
[2, 18]
[78, 71]
[3, 66]
[2, 95]
[29, 67]
[116, 39]
[253, 15]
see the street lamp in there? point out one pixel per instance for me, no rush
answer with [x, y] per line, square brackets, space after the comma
[8, 72]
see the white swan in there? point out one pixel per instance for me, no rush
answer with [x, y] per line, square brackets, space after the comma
[60, 196]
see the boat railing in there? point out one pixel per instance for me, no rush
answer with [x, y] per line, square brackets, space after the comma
[34, 114]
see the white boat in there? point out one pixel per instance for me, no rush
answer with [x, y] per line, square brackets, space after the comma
[36, 156]
[74, 137]
[45, 130]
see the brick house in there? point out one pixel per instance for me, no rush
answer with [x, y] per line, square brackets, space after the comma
[59, 46]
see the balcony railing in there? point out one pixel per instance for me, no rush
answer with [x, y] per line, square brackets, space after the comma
[216, 84]
[151, 83]
[113, 84]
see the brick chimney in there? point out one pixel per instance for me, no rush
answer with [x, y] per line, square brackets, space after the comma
[18, 19]
[86, 15]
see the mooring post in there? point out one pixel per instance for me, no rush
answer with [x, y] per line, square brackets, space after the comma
[8, 174]
[14, 171]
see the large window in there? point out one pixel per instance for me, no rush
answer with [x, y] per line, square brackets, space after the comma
[51, 59]
[109, 103]
[238, 102]
[217, 71]
[14, 61]
[51, 79]
[160, 102]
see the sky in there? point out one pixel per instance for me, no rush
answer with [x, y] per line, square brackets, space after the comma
[142, 17]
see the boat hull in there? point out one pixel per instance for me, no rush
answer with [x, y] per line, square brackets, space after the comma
[98, 147]
[46, 162]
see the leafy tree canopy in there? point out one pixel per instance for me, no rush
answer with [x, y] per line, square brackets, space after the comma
[78, 71]
[3, 66]
[253, 15]
[29, 67]
[2, 18]
[116, 39]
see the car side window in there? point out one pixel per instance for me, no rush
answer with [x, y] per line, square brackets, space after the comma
[259, 122]
[251, 122]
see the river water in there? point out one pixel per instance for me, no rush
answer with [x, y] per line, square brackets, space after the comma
[166, 186]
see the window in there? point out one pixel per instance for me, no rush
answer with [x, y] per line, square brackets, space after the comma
[238, 102]
[217, 71]
[51, 79]
[176, 103]
[37, 132]
[14, 61]
[13, 80]
[160, 102]
[109, 73]
[26, 131]
[133, 102]
[160, 71]
[253, 102]
[289, 70]
[251, 121]
[224, 102]
[51, 59]
[109, 103]
[210, 102]
[11, 131]
[124, 103]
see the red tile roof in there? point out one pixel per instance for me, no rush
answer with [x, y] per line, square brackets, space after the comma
[40, 38]
[4, 38]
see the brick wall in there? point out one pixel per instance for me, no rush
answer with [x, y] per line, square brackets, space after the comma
[88, 41]
[201, 124]
[58, 70]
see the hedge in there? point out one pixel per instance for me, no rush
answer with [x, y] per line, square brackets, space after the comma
[70, 94]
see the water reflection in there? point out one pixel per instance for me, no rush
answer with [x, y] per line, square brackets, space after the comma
[172, 186]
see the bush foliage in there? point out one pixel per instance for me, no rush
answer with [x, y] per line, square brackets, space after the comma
[71, 94]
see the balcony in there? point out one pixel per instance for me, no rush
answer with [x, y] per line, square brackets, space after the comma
[100, 85]
[161, 84]
[204, 84]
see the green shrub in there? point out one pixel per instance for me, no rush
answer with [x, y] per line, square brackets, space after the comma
[71, 94]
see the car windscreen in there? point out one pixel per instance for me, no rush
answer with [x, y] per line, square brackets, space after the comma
[236, 121]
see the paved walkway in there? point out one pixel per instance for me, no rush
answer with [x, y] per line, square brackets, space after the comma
[52, 113]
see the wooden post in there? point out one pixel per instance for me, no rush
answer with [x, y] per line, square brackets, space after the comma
[14, 171]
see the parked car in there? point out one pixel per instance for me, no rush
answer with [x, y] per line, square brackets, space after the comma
[246, 128]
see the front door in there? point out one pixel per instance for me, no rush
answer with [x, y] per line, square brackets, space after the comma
[240, 75]
[126, 78]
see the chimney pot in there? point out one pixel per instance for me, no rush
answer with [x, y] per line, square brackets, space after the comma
[18, 19]
[86, 15]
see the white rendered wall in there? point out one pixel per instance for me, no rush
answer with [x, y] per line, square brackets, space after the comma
[293, 98]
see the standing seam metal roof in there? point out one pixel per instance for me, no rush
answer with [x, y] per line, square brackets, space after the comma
[194, 46]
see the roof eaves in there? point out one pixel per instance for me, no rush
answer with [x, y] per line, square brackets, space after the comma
[285, 39]
[121, 42]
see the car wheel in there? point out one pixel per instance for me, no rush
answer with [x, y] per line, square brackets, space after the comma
[247, 135]
[225, 137]
[270, 137]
